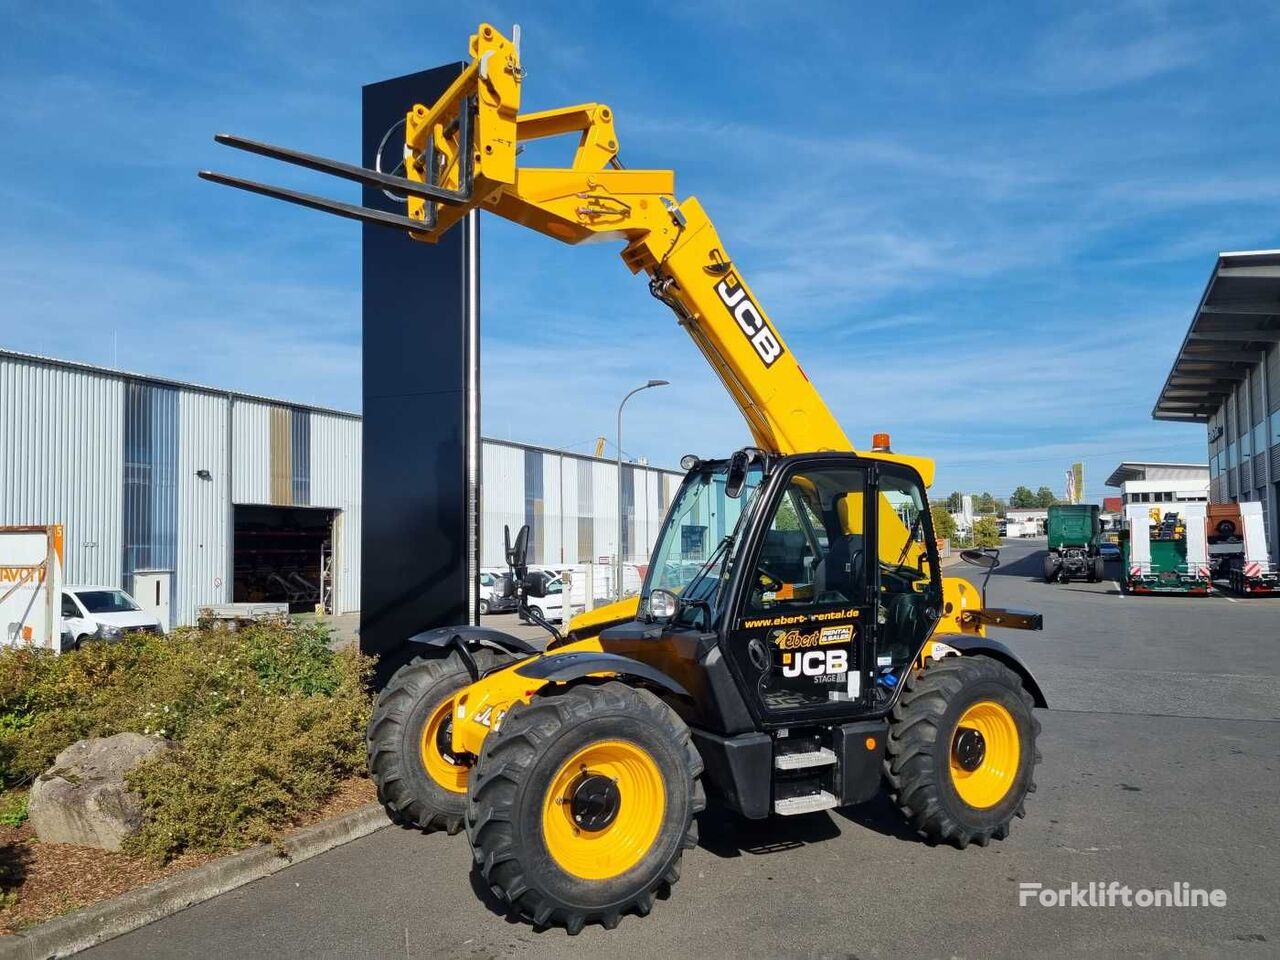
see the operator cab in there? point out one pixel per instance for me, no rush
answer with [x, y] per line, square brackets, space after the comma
[790, 589]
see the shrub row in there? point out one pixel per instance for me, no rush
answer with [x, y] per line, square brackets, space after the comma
[269, 721]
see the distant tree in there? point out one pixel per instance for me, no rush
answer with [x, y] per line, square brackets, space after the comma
[985, 503]
[1045, 498]
[1022, 497]
[786, 518]
[955, 502]
[986, 532]
[944, 528]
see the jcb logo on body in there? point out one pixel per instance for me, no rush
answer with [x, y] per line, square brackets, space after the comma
[815, 663]
[749, 318]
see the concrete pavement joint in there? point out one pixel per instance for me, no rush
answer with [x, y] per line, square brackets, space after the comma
[103, 921]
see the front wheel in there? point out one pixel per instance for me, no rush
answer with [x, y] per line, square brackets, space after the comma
[962, 750]
[421, 784]
[582, 804]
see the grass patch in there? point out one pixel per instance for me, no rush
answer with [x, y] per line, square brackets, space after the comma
[269, 722]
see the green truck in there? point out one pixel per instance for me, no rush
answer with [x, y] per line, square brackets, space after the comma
[1073, 543]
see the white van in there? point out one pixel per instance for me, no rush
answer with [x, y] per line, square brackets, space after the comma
[103, 613]
[552, 605]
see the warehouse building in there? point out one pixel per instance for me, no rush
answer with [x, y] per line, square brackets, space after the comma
[1227, 376]
[227, 497]
[1142, 482]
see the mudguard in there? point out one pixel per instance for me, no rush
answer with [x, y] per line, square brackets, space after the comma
[969, 645]
[563, 667]
[463, 636]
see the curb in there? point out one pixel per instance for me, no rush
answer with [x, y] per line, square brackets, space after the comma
[103, 921]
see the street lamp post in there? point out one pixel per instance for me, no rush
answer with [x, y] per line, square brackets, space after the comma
[622, 520]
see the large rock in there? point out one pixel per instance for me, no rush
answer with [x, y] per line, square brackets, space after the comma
[82, 798]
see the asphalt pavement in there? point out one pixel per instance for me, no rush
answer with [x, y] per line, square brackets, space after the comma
[1160, 768]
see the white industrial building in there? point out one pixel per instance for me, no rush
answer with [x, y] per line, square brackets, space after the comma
[1140, 482]
[239, 497]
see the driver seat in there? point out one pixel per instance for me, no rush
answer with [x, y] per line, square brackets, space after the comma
[838, 575]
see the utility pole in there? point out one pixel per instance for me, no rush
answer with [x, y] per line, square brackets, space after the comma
[622, 519]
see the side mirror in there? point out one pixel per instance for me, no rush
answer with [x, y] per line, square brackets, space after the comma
[506, 586]
[535, 584]
[517, 555]
[663, 605]
[737, 475]
[980, 558]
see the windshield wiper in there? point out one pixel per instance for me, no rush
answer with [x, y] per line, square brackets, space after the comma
[911, 536]
[721, 548]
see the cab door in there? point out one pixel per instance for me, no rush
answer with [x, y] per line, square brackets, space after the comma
[802, 631]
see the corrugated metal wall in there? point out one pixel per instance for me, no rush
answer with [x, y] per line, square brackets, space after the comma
[251, 452]
[335, 482]
[116, 459]
[501, 498]
[61, 432]
[203, 550]
[570, 502]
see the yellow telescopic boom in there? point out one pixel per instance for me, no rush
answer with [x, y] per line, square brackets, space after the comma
[460, 154]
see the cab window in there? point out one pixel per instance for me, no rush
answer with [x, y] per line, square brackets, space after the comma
[813, 553]
[69, 608]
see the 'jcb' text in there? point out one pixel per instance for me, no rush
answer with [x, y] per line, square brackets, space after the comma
[750, 320]
[815, 663]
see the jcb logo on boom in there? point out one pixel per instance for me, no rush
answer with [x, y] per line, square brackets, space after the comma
[749, 318]
[815, 663]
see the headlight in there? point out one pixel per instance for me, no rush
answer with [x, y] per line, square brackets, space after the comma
[663, 604]
[108, 632]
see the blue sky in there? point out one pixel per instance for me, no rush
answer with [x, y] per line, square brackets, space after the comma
[983, 230]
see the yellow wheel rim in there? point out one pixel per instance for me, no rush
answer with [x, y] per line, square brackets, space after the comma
[626, 826]
[985, 751]
[439, 766]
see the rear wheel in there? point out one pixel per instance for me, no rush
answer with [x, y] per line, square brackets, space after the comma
[484, 607]
[581, 805]
[961, 750]
[1050, 569]
[420, 782]
[1099, 569]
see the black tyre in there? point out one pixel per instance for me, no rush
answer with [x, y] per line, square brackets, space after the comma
[581, 805]
[962, 750]
[483, 607]
[1050, 569]
[1099, 570]
[420, 784]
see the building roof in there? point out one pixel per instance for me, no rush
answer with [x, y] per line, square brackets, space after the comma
[257, 398]
[1148, 470]
[1237, 319]
[166, 382]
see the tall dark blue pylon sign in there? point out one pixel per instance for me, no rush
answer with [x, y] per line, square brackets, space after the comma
[421, 440]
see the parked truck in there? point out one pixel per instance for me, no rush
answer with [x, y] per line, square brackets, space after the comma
[1073, 530]
[31, 586]
[1238, 555]
[1165, 552]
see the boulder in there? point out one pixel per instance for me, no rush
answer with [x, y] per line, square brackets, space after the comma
[83, 799]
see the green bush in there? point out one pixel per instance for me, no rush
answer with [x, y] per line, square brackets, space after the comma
[986, 532]
[269, 720]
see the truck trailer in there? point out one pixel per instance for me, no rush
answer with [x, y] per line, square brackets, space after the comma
[1165, 552]
[1238, 555]
[1073, 530]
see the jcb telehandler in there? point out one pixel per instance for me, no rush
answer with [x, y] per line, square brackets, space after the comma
[795, 644]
